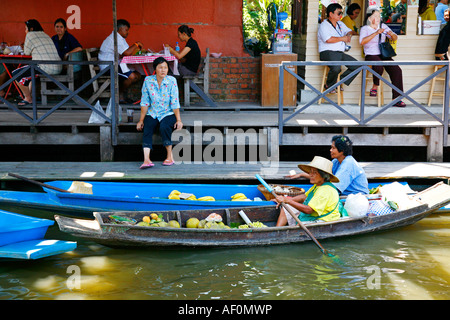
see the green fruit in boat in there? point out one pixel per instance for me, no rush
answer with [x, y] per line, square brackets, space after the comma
[201, 224]
[192, 223]
[212, 225]
[163, 224]
[174, 224]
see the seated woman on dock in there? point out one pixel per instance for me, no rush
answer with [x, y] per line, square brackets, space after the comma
[352, 177]
[160, 106]
[371, 35]
[320, 202]
[190, 56]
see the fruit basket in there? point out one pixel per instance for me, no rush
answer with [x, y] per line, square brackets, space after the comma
[281, 190]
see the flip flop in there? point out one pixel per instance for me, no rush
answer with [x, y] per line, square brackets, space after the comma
[23, 103]
[400, 104]
[168, 163]
[373, 92]
[146, 165]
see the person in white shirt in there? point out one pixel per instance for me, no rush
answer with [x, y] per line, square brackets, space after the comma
[126, 76]
[333, 37]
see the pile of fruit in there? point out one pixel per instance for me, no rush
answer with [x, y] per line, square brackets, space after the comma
[213, 221]
[177, 195]
[256, 224]
[155, 220]
[239, 197]
[193, 223]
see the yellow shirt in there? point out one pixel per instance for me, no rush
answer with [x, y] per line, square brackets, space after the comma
[428, 14]
[349, 23]
[325, 199]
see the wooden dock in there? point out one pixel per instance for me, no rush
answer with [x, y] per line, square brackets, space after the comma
[206, 173]
[238, 125]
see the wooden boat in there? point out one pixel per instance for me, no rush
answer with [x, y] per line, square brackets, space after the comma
[105, 229]
[22, 237]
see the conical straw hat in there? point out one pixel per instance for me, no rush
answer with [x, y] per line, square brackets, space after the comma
[80, 187]
[320, 163]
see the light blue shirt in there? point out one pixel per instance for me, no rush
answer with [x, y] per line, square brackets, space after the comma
[440, 9]
[161, 100]
[352, 178]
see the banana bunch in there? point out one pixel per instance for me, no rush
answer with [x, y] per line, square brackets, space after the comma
[238, 197]
[206, 198]
[256, 224]
[174, 195]
[177, 195]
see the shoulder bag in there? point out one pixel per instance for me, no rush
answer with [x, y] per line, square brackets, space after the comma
[386, 49]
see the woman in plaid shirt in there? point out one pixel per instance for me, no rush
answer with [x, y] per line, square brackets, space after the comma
[40, 46]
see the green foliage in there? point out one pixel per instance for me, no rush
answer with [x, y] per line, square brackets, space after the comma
[386, 10]
[256, 29]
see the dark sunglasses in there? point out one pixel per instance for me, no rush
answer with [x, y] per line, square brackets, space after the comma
[340, 13]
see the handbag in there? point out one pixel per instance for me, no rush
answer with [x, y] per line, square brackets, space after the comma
[386, 49]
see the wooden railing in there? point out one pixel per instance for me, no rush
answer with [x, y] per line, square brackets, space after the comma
[33, 66]
[364, 67]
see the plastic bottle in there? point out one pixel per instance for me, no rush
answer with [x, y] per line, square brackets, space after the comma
[177, 47]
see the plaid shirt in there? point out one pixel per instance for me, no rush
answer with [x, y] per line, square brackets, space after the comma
[41, 47]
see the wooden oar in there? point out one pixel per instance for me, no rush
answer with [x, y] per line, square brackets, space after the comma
[37, 182]
[293, 215]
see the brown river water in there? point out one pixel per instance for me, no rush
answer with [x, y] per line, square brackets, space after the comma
[407, 263]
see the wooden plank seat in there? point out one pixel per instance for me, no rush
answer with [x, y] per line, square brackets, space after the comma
[67, 77]
[100, 85]
[202, 79]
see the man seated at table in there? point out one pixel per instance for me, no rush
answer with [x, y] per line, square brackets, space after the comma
[126, 76]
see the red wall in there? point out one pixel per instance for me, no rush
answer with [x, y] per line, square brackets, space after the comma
[217, 23]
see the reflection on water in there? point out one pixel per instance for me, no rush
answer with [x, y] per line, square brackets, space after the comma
[408, 263]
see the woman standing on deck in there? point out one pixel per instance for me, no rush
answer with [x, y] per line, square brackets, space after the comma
[160, 106]
[352, 178]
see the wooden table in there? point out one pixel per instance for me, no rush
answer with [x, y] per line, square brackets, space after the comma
[145, 60]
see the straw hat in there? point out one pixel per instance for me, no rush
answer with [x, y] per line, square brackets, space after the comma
[320, 163]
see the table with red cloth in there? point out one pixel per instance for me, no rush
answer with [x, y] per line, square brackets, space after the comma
[145, 60]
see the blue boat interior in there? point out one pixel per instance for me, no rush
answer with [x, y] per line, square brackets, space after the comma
[162, 190]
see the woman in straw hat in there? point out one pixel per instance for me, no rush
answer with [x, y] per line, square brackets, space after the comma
[352, 178]
[320, 202]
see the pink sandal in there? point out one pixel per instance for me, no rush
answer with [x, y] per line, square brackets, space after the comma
[168, 162]
[373, 92]
[146, 165]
